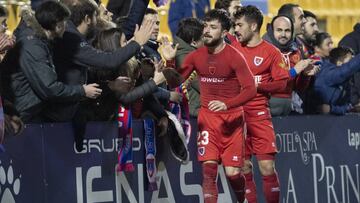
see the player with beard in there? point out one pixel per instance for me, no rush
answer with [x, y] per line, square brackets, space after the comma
[226, 84]
[271, 75]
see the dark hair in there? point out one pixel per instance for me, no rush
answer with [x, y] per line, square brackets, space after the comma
[223, 4]
[339, 54]
[108, 40]
[221, 15]
[49, 13]
[320, 38]
[150, 11]
[190, 29]
[81, 9]
[3, 12]
[288, 10]
[251, 14]
[309, 14]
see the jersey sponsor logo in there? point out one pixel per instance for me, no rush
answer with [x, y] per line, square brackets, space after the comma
[258, 60]
[212, 70]
[257, 79]
[212, 80]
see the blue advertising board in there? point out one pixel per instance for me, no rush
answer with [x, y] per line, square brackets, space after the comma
[318, 161]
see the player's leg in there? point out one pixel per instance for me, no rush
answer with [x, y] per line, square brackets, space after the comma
[271, 185]
[250, 186]
[265, 150]
[237, 181]
[210, 191]
[233, 152]
[208, 153]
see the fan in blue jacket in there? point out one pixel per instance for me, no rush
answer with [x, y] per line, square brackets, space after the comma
[333, 80]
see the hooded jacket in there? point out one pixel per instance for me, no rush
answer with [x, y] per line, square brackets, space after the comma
[292, 55]
[28, 73]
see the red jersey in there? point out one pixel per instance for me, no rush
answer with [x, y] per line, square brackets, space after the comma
[270, 73]
[224, 76]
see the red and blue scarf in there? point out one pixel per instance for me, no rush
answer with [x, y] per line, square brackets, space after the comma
[125, 156]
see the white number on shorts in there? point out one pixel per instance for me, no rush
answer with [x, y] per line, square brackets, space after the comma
[203, 138]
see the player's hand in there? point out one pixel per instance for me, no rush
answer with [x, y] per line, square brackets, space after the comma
[216, 105]
[167, 49]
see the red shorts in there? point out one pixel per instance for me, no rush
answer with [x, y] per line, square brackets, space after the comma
[221, 137]
[260, 138]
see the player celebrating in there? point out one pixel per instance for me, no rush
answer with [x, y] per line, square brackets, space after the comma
[226, 84]
[269, 69]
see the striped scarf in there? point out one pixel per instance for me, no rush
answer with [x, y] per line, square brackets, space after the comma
[125, 156]
[181, 111]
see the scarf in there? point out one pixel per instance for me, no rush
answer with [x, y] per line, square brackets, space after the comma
[125, 156]
[181, 111]
[150, 150]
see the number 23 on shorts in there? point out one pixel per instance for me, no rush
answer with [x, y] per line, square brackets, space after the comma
[203, 138]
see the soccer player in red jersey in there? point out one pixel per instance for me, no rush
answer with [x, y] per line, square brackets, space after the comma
[226, 84]
[271, 75]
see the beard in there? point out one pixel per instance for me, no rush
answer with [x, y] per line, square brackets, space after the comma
[213, 42]
[244, 40]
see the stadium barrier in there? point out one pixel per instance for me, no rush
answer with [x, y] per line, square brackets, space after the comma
[318, 162]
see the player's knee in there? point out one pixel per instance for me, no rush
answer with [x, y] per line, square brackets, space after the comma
[266, 167]
[247, 168]
[232, 171]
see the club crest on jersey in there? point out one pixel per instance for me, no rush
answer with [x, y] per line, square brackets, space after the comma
[212, 70]
[201, 151]
[258, 60]
[282, 65]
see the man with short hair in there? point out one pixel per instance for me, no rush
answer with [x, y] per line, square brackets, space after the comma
[311, 28]
[323, 44]
[31, 81]
[280, 34]
[271, 76]
[150, 49]
[226, 84]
